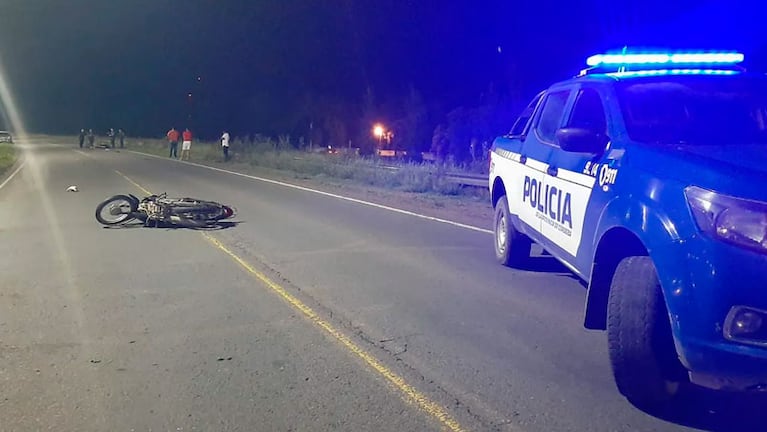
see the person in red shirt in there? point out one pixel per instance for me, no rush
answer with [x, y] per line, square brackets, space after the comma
[186, 144]
[172, 136]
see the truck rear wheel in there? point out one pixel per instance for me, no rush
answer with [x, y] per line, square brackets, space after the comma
[512, 248]
[645, 365]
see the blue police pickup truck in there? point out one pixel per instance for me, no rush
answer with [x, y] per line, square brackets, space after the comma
[646, 175]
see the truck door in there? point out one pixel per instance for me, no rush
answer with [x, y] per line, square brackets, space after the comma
[536, 152]
[572, 176]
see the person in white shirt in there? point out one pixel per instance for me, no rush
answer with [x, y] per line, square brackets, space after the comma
[225, 145]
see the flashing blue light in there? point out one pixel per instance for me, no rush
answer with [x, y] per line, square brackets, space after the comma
[661, 72]
[669, 59]
[707, 58]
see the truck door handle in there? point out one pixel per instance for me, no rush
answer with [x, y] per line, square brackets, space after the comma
[552, 171]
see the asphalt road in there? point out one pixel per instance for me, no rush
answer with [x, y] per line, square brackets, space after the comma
[412, 327]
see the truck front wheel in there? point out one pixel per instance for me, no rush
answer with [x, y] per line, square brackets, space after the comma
[645, 365]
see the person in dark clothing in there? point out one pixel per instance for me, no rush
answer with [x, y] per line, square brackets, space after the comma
[121, 136]
[81, 137]
[91, 139]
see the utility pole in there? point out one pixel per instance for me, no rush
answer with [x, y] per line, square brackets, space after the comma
[311, 136]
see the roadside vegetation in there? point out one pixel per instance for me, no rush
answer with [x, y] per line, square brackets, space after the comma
[7, 157]
[427, 178]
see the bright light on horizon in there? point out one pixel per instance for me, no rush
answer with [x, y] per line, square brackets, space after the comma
[36, 169]
[378, 130]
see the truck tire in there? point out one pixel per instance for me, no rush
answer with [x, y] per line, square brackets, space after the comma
[512, 248]
[644, 361]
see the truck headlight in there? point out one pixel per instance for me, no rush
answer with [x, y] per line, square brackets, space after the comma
[735, 220]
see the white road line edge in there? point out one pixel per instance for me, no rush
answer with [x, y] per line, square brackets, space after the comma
[13, 174]
[82, 153]
[319, 192]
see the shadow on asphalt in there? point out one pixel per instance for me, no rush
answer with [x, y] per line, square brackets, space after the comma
[713, 411]
[222, 225]
[545, 264]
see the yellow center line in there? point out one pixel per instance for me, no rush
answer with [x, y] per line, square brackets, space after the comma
[409, 393]
[141, 188]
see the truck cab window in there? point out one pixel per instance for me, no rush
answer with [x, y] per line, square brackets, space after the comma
[589, 112]
[522, 124]
[551, 115]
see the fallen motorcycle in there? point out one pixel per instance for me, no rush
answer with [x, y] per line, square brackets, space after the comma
[160, 210]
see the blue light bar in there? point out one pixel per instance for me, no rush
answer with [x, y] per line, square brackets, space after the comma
[665, 59]
[662, 72]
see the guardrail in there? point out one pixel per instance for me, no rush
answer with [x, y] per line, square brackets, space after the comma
[465, 179]
[462, 178]
[474, 180]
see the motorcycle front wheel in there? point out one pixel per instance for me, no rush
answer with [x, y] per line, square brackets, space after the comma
[115, 210]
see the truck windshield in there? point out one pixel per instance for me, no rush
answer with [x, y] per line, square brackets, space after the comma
[696, 110]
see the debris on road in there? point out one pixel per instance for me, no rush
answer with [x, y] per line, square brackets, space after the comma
[72, 188]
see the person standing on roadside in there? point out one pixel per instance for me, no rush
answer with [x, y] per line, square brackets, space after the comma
[186, 144]
[91, 139]
[172, 136]
[81, 137]
[121, 136]
[225, 145]
[111, 135]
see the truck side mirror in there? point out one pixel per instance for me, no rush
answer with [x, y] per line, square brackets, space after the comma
[581, 140]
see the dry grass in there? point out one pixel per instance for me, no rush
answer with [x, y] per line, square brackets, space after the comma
[7, 157]
[266, 153]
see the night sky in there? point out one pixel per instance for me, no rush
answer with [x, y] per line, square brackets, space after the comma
[265, 67]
